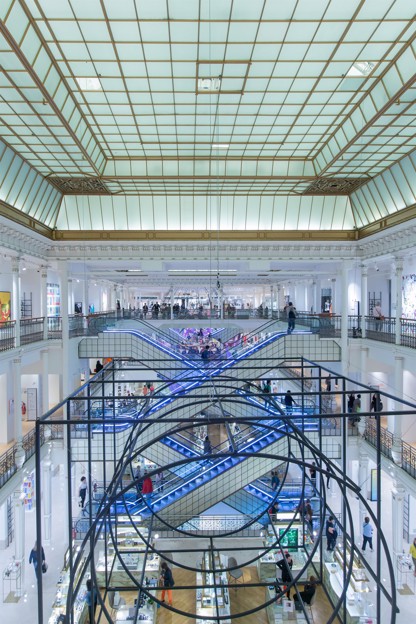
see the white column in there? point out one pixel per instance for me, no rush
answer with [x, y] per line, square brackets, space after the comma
[364, 298]
[44, 299]
[17, 398]
[279, 297]
[398, 493]
[16, 298]
[363, 364]
[334, 302]
[85, 302]
[71, 306]
[399, 270]
[316, 297]
[364, 400]
[45, 381]
[395, 422]
[3, 526]
[47, 498]
[19, 532]
[344, 318]
[63, 270]
[363, 481]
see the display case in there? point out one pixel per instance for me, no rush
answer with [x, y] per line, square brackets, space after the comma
[277, 611]
[59, 603]
[359, 603]
[210, 601]
[131, 552]
[266, 565]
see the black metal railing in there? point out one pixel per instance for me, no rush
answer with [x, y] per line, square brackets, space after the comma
[7, 335]
[8, 465]
[326, 325]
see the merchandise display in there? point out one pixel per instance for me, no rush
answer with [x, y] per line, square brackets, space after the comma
[210, 601]
[59, 604]
[131, 556]
[359, 603]
[266, 565]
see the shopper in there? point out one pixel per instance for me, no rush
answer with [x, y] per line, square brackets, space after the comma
[309, 516]
[98, 366]
[412, 551]
[308, 592]
[167, 582]
[207, 446]
[33, 557]
[328, 383]
[159, 481]
[285, 565]
[82, 492]
[367, 534]
[331, 533]
[205, 354]
[312, 473]
[288, 402]
[350, 403]
[147, 488]
[275, 480]
[378, 316]
[91, 600]
[376, 405]
[273, 511]
[291, 317]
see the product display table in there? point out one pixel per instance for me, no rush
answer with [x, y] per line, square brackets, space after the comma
[208, 601]
[134, 563]
[357, 604]
[266, 565]
[405, 568]
[12, 579]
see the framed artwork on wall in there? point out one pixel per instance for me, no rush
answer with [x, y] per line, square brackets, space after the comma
[5, 306]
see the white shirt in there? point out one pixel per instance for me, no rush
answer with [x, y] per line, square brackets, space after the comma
[377, 313]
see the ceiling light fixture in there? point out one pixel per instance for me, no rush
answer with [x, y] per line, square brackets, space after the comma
[89, 84]
[209, 84]
[221, 145]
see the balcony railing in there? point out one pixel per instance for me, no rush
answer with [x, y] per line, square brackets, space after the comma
[8, 465]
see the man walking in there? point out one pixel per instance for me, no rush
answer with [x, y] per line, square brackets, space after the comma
[367, 534]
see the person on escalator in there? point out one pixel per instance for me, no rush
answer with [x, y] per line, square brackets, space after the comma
[207, 446]
[205, 354]
[147, 488]
[291, 317]
[289, 402]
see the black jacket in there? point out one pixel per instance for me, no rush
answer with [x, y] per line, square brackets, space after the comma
[167, 578]
[285, 567]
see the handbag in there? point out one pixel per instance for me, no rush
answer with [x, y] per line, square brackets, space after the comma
[44, 567]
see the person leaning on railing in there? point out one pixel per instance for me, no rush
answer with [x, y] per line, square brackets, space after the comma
[378, 316]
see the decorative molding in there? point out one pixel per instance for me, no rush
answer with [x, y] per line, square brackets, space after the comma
[205, 235]
[79, 186]
[335, 186]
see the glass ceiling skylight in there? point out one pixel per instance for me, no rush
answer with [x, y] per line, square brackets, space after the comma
[360, 69]
[89, 84]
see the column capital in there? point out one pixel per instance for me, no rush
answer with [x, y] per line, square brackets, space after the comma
[398, 265]
[16, 264]
[16, 361]
[364, 269]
